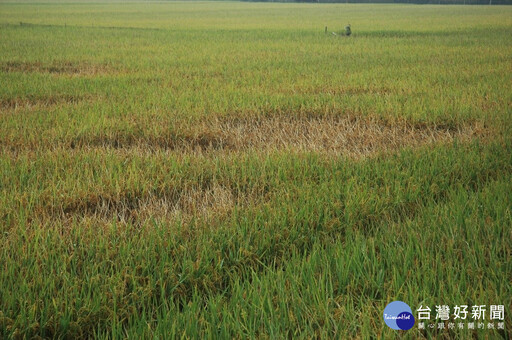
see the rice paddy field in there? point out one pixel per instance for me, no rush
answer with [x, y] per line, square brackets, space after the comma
[229, 170]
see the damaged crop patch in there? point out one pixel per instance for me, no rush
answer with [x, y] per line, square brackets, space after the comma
[57, 68]
[30, 103]
[206, 203]
[336, 90]
[349, 135]
[183, 141]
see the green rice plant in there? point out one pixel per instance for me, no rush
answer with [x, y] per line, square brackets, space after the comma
[228, 170]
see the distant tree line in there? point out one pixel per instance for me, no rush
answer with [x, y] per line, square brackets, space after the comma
[436, 2]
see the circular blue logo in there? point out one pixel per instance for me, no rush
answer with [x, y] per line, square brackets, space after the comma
[398, 315]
